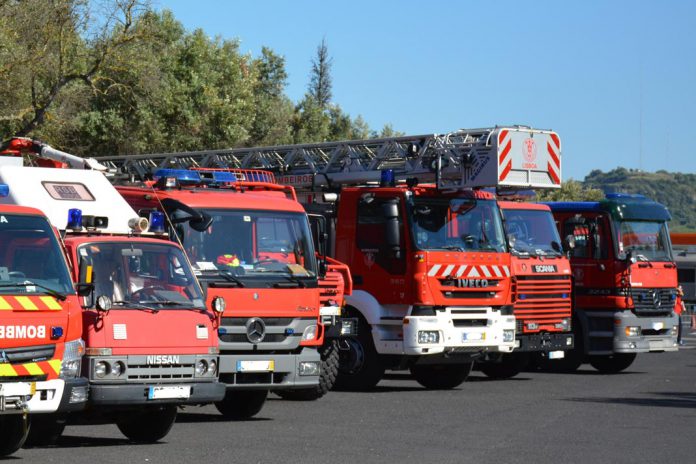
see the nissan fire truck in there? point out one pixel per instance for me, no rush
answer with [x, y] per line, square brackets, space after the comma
[542, 275]
[625, 280]
[151, 343]
[249, 241]
[429, 261]
[41, 347]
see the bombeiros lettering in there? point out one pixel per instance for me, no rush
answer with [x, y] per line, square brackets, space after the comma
[22, 331]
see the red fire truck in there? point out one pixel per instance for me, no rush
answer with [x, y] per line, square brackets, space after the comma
[625, 280]
[429, 261]
[543, 288]
[40, 325]
[150, 340]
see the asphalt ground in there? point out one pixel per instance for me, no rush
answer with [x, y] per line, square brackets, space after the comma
[644, 415]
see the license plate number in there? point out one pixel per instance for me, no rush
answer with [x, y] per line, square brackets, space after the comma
[658, 325]
[161, 393]
[255, 366]
[556, 354]
[474, 336]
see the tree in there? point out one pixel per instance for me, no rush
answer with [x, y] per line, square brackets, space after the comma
[320, 77]
[571, 190]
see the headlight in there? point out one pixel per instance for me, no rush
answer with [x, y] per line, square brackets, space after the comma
[308, 368]
[101, 368]
[201, 367]
[117, 368]
[212, 368]
[564, 324]
[72, 359]
[428, 336]
[310, 333]
[675, 330]
[508, 336]
[632, 331]
[219, 304]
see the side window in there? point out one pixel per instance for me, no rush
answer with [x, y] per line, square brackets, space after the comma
[581, 234]
[602, 239]
[371, 225]
[370, 236]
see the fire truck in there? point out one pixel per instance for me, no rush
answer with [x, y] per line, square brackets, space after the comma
[40, 325]
[543, 295]
[429, 261]
[151, 343]
[625, 280]
[250, 241]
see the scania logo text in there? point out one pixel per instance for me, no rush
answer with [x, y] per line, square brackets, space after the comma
[255, 330]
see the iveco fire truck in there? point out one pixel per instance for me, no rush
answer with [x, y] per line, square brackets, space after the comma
[429, 261]
[40, 325]
[543, 289]
[150, 340]
[625, 280]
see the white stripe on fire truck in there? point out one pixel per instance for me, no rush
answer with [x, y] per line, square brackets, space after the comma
[460, 271]
[448, 270]
[474, 272]
[497, 271]
[507, 271]
[433, 270]
[486, 271]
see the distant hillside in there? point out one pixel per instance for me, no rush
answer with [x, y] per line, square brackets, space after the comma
[675, 190]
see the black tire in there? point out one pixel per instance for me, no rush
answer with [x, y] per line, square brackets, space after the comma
[241, 404]
[442, 376]
[612, 363]
[45, 429]
[509, 366]
[327, 376]
[148, 426]
[360, 367]
[14, 429]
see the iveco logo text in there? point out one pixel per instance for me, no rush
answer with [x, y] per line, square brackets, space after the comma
[472, 283]
[163, 359]
[22, 331]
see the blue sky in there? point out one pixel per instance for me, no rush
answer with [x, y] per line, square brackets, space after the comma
[599, 73]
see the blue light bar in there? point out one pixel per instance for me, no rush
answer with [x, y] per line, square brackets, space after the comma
[74, 219]
[157, 222]
[222, 176]
[4, 190]
[184, 176]
[624, 196]
[387, 178]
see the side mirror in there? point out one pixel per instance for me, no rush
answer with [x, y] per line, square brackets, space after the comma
[569, 242]
[322, 267]
[84, 288]
[201, 223]
[392, 230]
[630, 259]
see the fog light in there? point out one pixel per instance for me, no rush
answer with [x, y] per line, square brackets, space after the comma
[631, 345]
[508, 336]
[569, 341]
[79, 394]
[309, 368]
[101, 369]
[310, 333]
[428, 336]
[201, 367]
[563, 325]
[675, 330]
[347, 327]
[212, 369]
[118, 368]
[632, 331]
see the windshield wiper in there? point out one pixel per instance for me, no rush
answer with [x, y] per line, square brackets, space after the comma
[232, 278]
[134, 305]
[47, 290]
[175, 303]
[452, 247]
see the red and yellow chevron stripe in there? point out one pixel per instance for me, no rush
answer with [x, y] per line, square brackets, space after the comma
[29, 303]
[50, 368]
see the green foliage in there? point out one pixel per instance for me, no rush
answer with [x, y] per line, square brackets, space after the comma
[571, 190]
[677, 191]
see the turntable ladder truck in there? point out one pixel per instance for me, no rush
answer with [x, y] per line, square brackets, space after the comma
[151, 344]
[425, 245]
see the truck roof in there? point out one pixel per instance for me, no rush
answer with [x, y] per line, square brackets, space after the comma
[621, 206]
[16, 209]
[56, 191]
[523, 205]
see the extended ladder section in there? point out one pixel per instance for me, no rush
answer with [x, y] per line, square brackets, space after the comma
[515, 157]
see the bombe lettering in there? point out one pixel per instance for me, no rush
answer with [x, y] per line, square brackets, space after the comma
[163, 359]
[22, 331]
[4, 219]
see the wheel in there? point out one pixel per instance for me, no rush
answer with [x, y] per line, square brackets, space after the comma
[509, 366]
[148, 426]
[612, 363]
[441, 376]
[45, 429]
[241, 404]
[15, 429]
[359, 367]
[327, 377]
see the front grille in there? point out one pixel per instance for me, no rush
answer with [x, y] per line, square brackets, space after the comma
[652, 301]
[269, 321]
[542, 299]
[654, 332]
[465, 295]
[242, 338]
[24, 378]
[469, 322]
[173, 372]
[28, 354]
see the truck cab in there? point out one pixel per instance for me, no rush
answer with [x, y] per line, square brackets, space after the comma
[41, 344]
[625, 279]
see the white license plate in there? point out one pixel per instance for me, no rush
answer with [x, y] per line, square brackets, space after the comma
[18, 389]
[168, 393]
[255, 366]
[556, 354]
[658, 325]
[473, 336]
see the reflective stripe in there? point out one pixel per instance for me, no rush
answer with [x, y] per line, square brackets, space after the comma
[4, 305]
[461, 270]
[51, 303]
[434, 269]
[448, 270]
[26, 303]
[486, 271]
[33, 369]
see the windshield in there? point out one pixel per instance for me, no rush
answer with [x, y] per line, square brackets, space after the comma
[532, 232]
[30, 254]
[457, 224]
[140, 273]
[252, 244]
[647, 240]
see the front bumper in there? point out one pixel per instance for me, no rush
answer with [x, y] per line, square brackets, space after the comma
[59, 395]
[655, 333]
[461, 330]
[128, 395]
[268, 370]
[544, 342]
